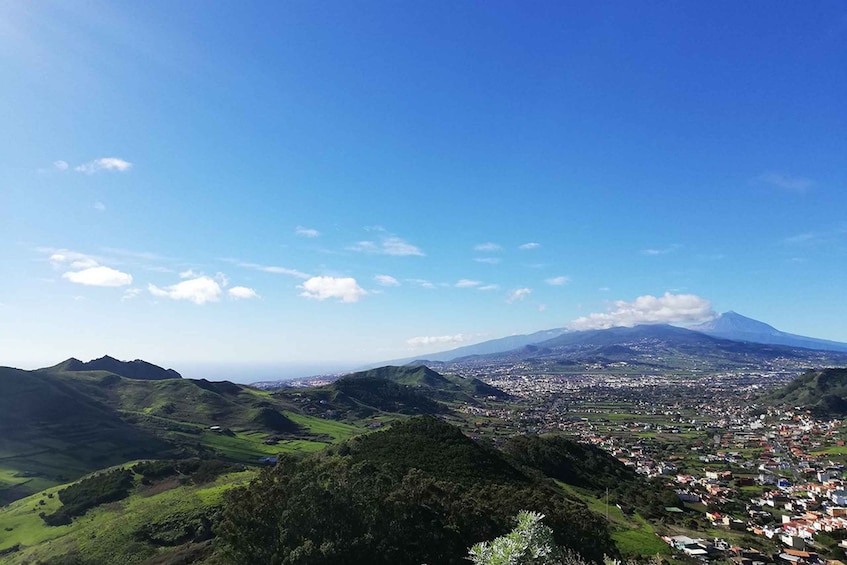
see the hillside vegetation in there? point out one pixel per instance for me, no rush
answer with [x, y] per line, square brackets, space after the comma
[420, 492]
[823, 392]
[408, 390]
[55, 426]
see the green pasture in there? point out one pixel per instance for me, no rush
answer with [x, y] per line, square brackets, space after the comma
[109, 533]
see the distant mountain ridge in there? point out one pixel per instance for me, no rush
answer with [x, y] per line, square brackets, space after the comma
[137, 369]
[653, 348]
[491, 346]
[728, 326]
[734, 326]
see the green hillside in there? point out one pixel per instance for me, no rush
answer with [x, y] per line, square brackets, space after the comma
[52, 432]
[449, 388]
[166, 517]
[58, 425]
[824, 392]
[420, 492]
[136, 369]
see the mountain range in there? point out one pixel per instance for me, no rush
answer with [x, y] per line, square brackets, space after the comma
[137, 369]
[734, 326]
[729, 326]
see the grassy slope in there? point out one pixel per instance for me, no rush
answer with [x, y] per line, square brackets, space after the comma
[634, 536]
[109, 533]
[52, 432]
[55, 427]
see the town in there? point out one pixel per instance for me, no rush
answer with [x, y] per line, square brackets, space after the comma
[755, 484]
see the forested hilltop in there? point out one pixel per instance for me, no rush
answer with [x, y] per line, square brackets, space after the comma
[420, 492]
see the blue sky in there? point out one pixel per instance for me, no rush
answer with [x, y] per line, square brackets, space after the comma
[342, 182]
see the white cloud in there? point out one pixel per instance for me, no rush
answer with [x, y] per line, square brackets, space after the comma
[222, 279]
[647, 309]
[785, 182]
[198, 290]
[131, 293]
[321, 288]
[437, 340]
[64, 258]
[558, 281]
[104, 164]
[396, 246]
[519, 294]
[386, 280]
[828, 236]
[99, 276]
[530, 245]
[487, 247]
[542, 307]
[306, 232]
[388, 245]
[242, 293]
[274, 270]
[86, 269]
[489, 260]
[489, 287]
[189, 274]
[661, 251]
[99, 206]
[467, 283]
[421, 282]
[60, 165]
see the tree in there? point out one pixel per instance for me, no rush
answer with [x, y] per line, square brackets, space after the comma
[530, 543]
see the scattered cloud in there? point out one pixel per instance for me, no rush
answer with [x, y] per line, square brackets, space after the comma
[143, 255]
[345, 289]
[389, 245]
[99, 276]
[86, 269]
[421, 282]
[802, 238]
[438, 340]
[189, 274]
[788, 183]
[604, 289]
[222, 279]
[306, 232]
[490, 287]
[647, 309]
[558, 281]
[273, 269]
[817, 237]
[199, 290]
[518, 294]
[60, 165]
[487, 247]
[63, 258]
[467, 283]
[104, 164]
[386, 280]
[131, 293]
[661, 251]
[99, 206]
[489, 260]
[530, 245]
[542, 307]
[242, 293]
